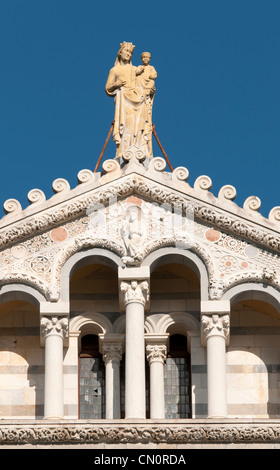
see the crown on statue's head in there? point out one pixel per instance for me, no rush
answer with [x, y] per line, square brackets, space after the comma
[129, 46]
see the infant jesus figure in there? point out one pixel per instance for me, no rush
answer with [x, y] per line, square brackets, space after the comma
[146, 81]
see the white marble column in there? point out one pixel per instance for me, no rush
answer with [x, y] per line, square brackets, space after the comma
[215, 330]
[112, 354]
[135, 295]
[156, 355]
[53, 329]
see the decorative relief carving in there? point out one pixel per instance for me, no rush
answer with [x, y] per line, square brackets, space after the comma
[33, 261]
[227, 192]
[25, 278]
[274, 214]
[235, 260]
[227, 264]
[19, 251]
[133, 234]
[152, 190]
[134, 154]
[110, 166]
[180, 174]
[80, 433]
[54, 324]
[157, 164]
[135, 291]
[85, 176]
[213, 325]
[40, 264]
[156, 353]
[203, 182]
[269, 274]
[216, 289]
[232, 244]
[60, 185]
[112, 352]
[252, 203]
[36, 196]
[38, 260]
[12, 207]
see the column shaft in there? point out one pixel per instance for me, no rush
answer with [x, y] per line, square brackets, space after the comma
[53, 376]
[216, 377]
[112, 354]
[156, 390]
[135, 403]
[113, 390]
[54, 329]
[156, 354]
[215, 330]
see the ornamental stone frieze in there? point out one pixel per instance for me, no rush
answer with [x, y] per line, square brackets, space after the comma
[263, 432]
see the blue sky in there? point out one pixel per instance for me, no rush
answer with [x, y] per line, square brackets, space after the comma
[217, 104]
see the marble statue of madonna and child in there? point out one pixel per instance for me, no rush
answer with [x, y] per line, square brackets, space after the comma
[133, 89]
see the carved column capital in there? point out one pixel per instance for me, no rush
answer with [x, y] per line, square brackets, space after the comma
[54, 325]
[215, 325]
[112, 352]
[156, 353]
[134, 291]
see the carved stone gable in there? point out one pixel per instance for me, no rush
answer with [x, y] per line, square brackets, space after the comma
[133, 211]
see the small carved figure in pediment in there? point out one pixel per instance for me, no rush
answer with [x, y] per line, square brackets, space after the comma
[132, 234]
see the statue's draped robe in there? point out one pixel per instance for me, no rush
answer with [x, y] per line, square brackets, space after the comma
[131, 121]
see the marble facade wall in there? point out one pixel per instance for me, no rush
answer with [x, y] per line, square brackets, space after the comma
[252, 353]
[135, 255]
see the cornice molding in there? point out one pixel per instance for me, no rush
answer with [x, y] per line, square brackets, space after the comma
[204, 206]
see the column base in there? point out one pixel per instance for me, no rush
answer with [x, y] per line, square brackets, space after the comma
[53, 417]
[217, 417]
[134, 417]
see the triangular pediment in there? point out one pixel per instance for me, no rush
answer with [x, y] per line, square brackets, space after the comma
[151, 182]
[234, 242]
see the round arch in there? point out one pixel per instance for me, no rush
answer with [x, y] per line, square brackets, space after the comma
[119, 325]
[253, 291]
[23, 292]
[177, 323]
[90, 323]
[186, 257]
[84, 258]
